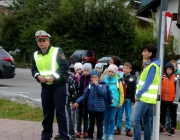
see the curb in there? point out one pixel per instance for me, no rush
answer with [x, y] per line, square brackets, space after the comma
[19, 98]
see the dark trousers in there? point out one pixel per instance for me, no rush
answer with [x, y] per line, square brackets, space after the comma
[98, 117]
[173, 114]
[82, 113]
[55, 99]
[71, 126]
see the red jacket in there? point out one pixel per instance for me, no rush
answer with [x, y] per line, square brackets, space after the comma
[168, 88]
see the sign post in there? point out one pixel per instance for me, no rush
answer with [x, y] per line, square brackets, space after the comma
[164, 37]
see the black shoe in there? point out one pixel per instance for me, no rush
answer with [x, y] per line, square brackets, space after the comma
[172, 132]
[73, 137]
[58, 137]
[89, 139]
[98, 139]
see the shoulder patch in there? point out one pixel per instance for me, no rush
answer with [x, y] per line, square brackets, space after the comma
[62, 56]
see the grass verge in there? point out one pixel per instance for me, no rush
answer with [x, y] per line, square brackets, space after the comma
[17, 111]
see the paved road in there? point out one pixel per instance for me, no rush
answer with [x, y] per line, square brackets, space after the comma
[25, 84]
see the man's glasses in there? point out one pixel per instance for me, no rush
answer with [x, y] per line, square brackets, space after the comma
[41, 40]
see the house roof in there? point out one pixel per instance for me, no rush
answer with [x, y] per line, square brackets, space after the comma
[147, 10]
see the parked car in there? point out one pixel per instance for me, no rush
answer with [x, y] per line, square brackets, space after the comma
[105, 62]
[83, 56]
[7, 65]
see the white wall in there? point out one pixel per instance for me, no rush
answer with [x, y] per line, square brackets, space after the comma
[5, 2]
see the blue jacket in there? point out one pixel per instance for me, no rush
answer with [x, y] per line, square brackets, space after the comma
[94, 96]
[112, 82]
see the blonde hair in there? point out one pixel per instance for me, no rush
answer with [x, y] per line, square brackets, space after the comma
[175, 62]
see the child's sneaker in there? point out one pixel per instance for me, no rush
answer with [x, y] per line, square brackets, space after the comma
[104, 137]
[162, 130]
[172, 132]
[111, 137]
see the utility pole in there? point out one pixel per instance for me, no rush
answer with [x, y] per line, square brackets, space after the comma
[163, 7]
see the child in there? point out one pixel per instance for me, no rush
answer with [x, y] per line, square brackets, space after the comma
[129, 84]
[169, 95]
[78, 67]
[114, 60]
[95, 94]
[177, 74]
[110, 112]
[99, 68]
[81, 83]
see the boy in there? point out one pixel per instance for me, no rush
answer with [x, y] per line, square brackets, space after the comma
[177, 74]
[81, 83]
[129, 84]
[169, 96]
[95, 93]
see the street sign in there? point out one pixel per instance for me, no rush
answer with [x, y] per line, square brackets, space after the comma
[168, 23]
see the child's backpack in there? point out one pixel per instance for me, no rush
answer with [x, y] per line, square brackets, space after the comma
[108, 99]
[72, 89]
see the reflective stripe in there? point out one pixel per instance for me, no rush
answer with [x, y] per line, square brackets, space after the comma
[141, 83]
[35, 55]
[56, 75]
[53, 66]
[153, 87]
[36, 75]
[149, 95]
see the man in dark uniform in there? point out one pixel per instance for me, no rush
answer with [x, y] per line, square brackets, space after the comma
[49, 68]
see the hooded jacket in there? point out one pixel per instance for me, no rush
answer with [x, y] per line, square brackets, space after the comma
[170, 85]
[94, 96]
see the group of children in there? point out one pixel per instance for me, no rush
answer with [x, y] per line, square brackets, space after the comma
[91, 89]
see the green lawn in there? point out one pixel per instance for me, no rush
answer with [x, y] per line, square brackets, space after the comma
[16, 111]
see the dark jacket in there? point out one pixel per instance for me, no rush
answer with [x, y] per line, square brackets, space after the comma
[130, 81]
[62, 70]
[82, 84]
[95, 97]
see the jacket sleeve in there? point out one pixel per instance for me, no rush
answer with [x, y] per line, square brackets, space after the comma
[121, 93]
[104, 73]
[177, 95]
[61, 74]
[34, 69]
[101, 90]
[133, 90]
[84, 96]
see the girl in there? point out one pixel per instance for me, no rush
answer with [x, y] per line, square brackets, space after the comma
[114, 60]
[111, 79]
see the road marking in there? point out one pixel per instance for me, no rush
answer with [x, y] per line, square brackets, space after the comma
[178, 112]
[8, 92]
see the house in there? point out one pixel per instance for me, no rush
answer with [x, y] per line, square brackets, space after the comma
[145, 13]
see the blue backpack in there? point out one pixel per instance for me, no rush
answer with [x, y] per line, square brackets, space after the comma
[108, 99]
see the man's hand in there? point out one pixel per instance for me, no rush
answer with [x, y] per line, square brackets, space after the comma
[132, 103]
[50, 79]
[75, 105]
[137, 99]
[42, 79]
